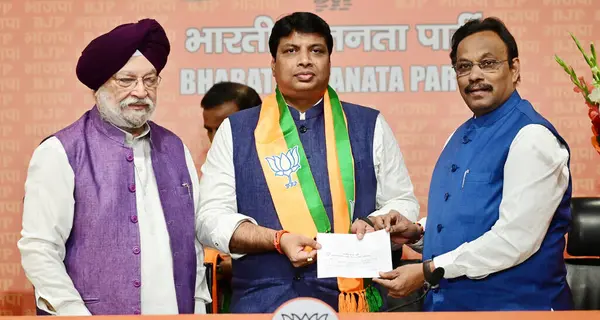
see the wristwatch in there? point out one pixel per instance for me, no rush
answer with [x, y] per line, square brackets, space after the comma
[433, 277]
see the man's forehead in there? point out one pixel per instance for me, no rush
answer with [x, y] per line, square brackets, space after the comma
[296, 37]
[137, 64]
[486, 43]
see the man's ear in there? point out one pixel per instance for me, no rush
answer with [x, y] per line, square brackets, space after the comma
[515, 69]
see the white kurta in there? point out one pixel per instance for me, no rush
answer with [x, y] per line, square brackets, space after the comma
[394, 187]
[48, 218]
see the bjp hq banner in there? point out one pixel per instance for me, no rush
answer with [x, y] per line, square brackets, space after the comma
[388, 54]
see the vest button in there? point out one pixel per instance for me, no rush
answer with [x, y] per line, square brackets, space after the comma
[129, 157]
[454, 168]
[137, 311]
[137, 283]
[439, 228]
[303, 129]
[136, 250]
[134, 219]
[132, 187]
[446, 196]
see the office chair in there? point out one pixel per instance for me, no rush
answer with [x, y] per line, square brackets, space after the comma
[583, 245]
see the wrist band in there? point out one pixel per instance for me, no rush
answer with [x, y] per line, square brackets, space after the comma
[277, 240]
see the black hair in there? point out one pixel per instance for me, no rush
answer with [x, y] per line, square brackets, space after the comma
[487, 24]
[301, 22]
[242, 95]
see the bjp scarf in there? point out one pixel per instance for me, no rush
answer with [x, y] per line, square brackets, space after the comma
[297, 201]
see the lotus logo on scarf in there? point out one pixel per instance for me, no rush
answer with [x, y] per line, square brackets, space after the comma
[285, 164]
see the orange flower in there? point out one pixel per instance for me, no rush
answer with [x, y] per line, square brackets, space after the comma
[594, 115]
[588, 91]
[596, 144]
[589, 86]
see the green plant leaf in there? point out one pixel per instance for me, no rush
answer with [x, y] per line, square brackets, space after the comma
[562, 63]
[581, 50]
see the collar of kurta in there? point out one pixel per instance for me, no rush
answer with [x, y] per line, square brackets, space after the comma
[490, 118]
[315, 111]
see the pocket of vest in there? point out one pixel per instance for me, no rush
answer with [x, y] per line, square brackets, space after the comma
[474, 195]
[473, 190]
[90, 300]
[185, 190]
[474, 176]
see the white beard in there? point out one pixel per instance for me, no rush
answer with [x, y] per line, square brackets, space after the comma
[119, 114]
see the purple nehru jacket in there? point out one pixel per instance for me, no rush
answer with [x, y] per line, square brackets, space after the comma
[103, 249]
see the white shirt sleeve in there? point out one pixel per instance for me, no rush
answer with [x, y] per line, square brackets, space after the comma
[218, 218]
[536, 177]
[202, 295]
[394, 187]
[48, 211]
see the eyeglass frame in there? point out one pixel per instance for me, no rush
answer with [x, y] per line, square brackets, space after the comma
[137, 81]
[496, 65]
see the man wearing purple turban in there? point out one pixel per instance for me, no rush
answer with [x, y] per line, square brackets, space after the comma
[110, 223]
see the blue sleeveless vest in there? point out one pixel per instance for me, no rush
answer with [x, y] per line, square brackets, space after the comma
[461, 211]
[262, 282]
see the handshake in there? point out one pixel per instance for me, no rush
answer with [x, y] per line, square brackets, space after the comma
[402, 231]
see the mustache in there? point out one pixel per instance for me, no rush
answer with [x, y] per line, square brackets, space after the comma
[133, 100]
[478, 86]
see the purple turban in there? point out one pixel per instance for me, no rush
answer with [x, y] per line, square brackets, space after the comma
[108, 53]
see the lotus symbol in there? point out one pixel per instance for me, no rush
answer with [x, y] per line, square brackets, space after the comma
[351, 203]
[285, 164]
[305, 316]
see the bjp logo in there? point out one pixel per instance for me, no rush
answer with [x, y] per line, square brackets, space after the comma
[305, 309]
[305, 316]
[285, 164]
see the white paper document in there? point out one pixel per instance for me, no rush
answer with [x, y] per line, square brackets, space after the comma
[343, 255]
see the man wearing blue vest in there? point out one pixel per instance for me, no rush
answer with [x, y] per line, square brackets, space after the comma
[499, 195]
[301, 163]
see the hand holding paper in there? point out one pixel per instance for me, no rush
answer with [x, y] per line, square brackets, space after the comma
[343, 255]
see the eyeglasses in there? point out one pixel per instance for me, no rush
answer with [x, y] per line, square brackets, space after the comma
[150, 82]
[464, 68]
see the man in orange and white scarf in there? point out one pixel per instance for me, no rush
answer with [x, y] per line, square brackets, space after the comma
[302, 163]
